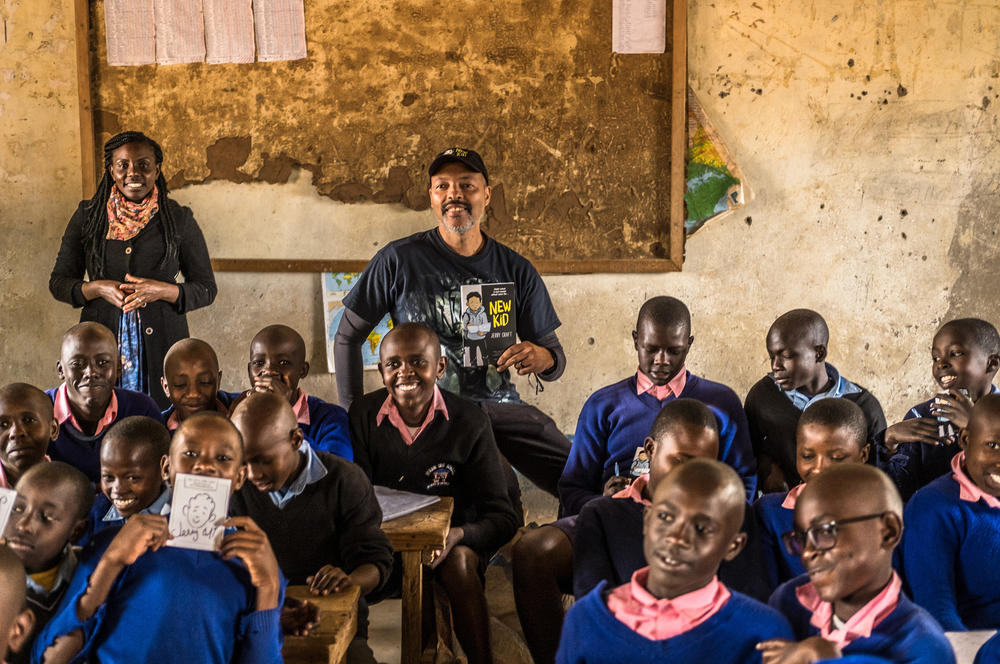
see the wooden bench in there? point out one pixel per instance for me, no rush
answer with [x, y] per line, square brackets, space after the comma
[327, 642]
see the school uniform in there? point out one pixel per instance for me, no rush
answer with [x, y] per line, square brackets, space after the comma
[171, 605]
[43, 598]
[451, 454]
[989, 652]
[615, 420]
[949, 551]
[775, 513]
[607, 546]
[222, 402]
[773, 417]
[105, 515]
[888, 626]
[915, 465]
[628, 624]
[81, 450]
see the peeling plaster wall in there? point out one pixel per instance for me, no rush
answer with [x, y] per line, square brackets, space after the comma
[39, 180]
[868, 131]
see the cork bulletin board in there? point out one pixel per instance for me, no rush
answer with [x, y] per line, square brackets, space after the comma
[585, 148]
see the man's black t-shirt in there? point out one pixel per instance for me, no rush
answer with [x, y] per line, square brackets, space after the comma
[418, 278]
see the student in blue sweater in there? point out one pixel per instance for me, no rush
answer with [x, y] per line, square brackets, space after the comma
[191, 378]
[133, 599]
[131, 480]
[848, 521]
[607, 542]
[87, 403]
[16, 620]
[610, 432]
[676, 609]
[953, 530]
[830, 431]
[965, 356]
[797, 344]
[277, 364]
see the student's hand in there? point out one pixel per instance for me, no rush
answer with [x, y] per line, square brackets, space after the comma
[141, 533]
[955, 406]
[916, 430]
[298, 617]
[615, 484]
[527, 358]
[139, 292]
[251, 545]
[108, 290]
[272, 383]
[813, 649]
[328, 579]
[455, 536]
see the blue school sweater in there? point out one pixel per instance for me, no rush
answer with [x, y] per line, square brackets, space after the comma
[171, 605]
[591, 633]
[82, 451]
[607, 546]
[908, 635]
[615, 421]
[328, 430]
[773, 521]
[915, 465]
[989, 653]
[950, 549]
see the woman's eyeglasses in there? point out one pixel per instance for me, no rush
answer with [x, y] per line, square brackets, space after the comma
[822, 536]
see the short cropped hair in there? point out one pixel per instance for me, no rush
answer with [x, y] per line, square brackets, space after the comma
[838, 413]
[57, 471]
[983, 334]
[664, 311]
[803, 324]
[139, 430]
[686, 413]
[26, 391]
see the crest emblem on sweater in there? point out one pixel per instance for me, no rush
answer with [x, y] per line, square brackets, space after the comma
[440, 475]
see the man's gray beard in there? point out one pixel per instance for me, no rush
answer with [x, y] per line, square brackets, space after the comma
[461, 230]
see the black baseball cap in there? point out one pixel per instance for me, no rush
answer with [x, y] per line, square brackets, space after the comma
[465, 156]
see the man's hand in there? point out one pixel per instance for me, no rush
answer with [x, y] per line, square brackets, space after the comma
[916, 430]
[251, 545]
[526, 358]
[615, 484]
[141, 533]
[106, 289]
[298, 617]
[455, 536]
[328, 579]
[813, 649]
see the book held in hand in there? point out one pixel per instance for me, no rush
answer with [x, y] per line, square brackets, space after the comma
[7, 497]
[199, 507]
[489, 322]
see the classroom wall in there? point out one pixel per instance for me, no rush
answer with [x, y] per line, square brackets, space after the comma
[867, 132]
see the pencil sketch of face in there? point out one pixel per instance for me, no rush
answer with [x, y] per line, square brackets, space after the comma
[200, 510]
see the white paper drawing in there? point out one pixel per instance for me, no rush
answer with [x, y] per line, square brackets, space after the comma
[199, 505]
[7, 497]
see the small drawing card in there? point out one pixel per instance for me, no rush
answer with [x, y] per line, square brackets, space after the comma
[640, 462]
[7, 497]
[200, 504]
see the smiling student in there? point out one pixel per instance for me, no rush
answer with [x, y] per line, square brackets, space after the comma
[953, 528]
[676, 609]
[831, 431]
[965, 356]
[191, 378]
[27, 428]
[87, 403]
[414, 436]
[797, 344]
[848, 521]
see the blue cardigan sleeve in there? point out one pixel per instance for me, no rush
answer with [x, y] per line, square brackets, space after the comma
[260, 638]
[592, 562]
[581, 477]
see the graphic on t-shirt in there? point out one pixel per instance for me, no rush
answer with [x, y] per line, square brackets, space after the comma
[198, 506]
[7, 497]
[488, 323]
[440, 475]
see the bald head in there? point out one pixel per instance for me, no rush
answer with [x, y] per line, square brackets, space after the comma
[664, 311]
[88, 332]
[852, 489]
[709, 478]
[272, 440]
[275, 336]
[263, 411]
[410, 335]
[801, 326]
[188, 350]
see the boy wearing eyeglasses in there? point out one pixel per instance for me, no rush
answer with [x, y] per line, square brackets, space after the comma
[830, 431]
[676, 609]
[847, 524]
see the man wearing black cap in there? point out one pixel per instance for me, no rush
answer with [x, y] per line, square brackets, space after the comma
[418, 279]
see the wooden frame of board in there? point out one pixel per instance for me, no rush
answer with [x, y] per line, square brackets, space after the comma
[678, 153]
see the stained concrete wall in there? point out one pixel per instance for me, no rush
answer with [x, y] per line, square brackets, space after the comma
[868, 132]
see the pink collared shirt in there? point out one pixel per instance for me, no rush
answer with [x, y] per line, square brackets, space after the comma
[676, 385]
[861, 624]
[967, 489]
[390, 410]
[659, 619]
[62, 411]
[789, 502]
[634, 490]
[5, 483]
[301, 408]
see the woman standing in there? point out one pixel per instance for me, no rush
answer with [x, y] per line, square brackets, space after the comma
[131, 240]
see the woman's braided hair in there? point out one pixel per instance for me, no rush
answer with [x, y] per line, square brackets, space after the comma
[95, 226]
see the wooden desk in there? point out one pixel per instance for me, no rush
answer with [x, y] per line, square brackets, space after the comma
[416, 536]
[327, 642]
